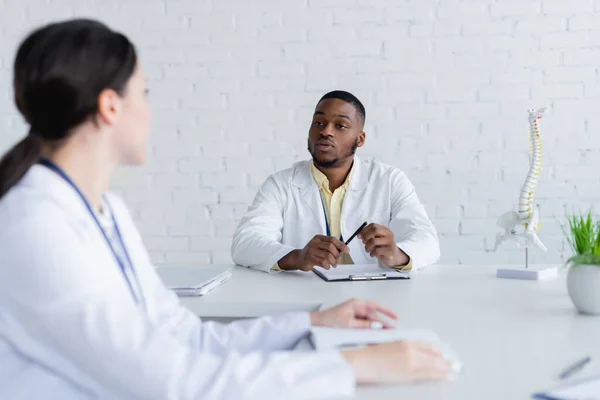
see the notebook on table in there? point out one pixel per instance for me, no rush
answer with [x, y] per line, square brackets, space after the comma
[358, 272]
[588, 389]
[194, 281]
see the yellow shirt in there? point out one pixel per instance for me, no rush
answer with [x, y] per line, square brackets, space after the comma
[333, 210]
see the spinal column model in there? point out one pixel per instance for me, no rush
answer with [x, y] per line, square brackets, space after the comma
[527, 215]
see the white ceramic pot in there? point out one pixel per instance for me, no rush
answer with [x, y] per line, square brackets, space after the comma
[583, 285]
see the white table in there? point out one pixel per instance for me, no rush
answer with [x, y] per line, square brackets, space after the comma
[513, 336]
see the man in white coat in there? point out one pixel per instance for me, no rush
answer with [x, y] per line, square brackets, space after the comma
[301, 215]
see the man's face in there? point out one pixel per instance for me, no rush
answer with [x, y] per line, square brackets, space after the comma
[335, 133]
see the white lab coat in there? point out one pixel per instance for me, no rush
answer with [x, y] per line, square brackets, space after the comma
[287, 213]
[70, 329]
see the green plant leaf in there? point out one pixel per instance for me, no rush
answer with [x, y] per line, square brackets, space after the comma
[584, 238]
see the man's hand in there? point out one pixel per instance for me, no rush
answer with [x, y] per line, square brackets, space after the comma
[324, 251]
[380, 243]
[353, 314]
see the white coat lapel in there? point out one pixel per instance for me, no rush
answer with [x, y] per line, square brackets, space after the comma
[353, 209]
[309, 193]
[354, 212]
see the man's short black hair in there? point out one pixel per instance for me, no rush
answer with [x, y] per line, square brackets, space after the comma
[348, 98]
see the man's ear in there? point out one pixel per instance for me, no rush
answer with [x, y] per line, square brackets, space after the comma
[361, 139]
[109, 106]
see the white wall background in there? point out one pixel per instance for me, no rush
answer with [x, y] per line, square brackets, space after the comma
[446, 84]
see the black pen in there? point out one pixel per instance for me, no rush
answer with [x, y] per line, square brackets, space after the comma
[575, 367]
[356, 233]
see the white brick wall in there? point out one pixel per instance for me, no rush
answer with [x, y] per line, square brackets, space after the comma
[446, 85]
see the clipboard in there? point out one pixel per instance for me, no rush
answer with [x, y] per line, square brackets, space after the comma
[358, 272]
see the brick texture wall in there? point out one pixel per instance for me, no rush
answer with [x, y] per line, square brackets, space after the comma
[446, 84]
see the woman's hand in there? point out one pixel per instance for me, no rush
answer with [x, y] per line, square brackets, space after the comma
[398, 362]
[353, 313]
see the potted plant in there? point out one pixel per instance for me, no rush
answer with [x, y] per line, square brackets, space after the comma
[583, 277]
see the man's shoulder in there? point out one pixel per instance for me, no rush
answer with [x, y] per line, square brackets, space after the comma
[376, 168]
[290, 172]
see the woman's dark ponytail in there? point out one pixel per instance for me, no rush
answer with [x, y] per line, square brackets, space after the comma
[59, 72]
[17, 162]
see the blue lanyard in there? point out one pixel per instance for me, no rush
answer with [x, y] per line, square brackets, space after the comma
[327, 230]
[53, 167]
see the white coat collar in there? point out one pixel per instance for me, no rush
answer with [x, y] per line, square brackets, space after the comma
[43, 180]
[303, 178]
